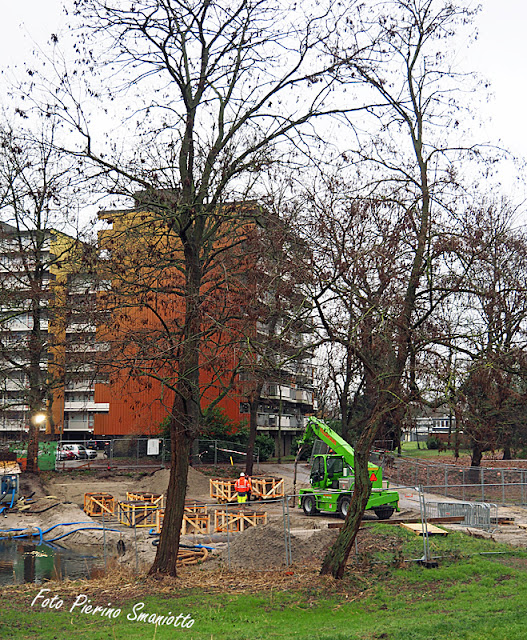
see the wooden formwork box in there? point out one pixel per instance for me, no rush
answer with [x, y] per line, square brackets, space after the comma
[222, 489]
[192, 522]
[192, 506]
[137, 513]
[267, 488]
[96, 504]
[146, 496]
[238, 519]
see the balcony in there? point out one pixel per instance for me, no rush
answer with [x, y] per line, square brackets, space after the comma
[90, 407]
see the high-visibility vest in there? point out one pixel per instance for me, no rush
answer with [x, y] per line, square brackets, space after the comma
[242, 484]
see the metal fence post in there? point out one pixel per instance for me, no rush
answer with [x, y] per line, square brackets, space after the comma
[463, 484]
[215, 452]
[522, 480]
[482, 479]
[228, 536]
[446, 481]
[503, 487]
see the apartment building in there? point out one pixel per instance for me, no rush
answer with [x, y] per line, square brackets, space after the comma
[47, 335]
[137, 403]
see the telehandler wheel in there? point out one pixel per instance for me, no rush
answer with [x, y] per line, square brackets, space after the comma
[309, 505]
[383, 513]
[343, 506]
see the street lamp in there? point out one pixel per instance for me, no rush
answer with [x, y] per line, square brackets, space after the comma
[39, 419]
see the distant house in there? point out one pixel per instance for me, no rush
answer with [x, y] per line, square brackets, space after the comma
[436, 422]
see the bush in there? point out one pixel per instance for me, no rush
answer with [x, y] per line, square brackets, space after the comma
[433, 442]
[266, 446]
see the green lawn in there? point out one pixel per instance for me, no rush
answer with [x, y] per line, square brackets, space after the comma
[468, 597]
[410, 449]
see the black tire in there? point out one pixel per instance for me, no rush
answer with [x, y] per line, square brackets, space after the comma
[309, 505]
[383, 513]
[343, 506]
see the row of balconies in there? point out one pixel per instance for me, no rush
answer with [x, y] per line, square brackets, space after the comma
[292, 394]
[287, 422]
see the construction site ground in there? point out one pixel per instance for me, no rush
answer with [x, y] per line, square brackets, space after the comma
[60, 496]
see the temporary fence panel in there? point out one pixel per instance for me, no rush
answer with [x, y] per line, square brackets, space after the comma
[476, 514]
[474, 484]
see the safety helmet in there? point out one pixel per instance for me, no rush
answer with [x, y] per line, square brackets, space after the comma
[242, 474]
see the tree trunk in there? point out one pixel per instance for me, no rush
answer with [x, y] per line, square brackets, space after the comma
[477, 454]
[184, 425]
[32, 448]
[336, 558]
[507, 455]
[166, 557]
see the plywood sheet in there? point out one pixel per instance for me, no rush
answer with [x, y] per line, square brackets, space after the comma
[417, 528]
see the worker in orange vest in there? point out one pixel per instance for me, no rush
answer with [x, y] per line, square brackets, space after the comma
[243, 488]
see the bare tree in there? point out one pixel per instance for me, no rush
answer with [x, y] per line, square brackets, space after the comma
[217, 91]
[491, 392]
[379, 294]
[36, 187]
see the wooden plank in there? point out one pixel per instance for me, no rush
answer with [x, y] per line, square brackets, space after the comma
[418, 529]
[443, 520]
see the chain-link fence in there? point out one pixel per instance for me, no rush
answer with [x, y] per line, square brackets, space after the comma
[482, 484]
[148, 452]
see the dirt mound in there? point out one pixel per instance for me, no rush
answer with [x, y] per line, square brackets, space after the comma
[263, 547]
[31, 485]
[197, 483]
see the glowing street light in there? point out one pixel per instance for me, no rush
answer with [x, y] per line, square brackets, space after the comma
[39, 419]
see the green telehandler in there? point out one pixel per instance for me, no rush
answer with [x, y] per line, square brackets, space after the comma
[332, 478]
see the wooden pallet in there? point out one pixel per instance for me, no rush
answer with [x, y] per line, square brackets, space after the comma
[137, 513]
[95, 504]
[238, 519]
[418, 529]
[193, 523]
[222, 490]
[267, 488]
[146, 496]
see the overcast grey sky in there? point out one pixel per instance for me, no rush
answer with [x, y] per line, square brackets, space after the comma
[499, 54]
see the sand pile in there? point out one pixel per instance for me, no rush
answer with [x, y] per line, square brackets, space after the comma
[263, 547]
[197, 483]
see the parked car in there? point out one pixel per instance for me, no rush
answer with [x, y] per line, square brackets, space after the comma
[92, 453]
[65, 454]
[79, 452]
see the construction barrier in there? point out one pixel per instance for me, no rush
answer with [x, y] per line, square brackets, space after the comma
[267, 488]
[222, 490]
[146, 496]
[263, 488]
[97, 504]
[193, 523]
[192, 506]
[480, 515]
[238, 520]
[137, 513]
